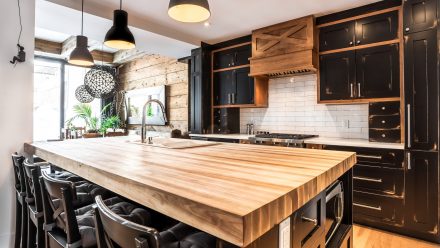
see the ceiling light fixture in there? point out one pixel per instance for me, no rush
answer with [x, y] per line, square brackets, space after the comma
[189, 10]
[81, 55]
[119, 36]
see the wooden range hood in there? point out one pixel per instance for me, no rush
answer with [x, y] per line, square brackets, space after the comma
[284, 49]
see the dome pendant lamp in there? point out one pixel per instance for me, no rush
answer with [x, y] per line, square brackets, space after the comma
[81, 55]
[119, 36]
[189, 10]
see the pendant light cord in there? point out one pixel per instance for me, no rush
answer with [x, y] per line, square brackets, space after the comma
[21, 25]
[120, 4]
[82, 17]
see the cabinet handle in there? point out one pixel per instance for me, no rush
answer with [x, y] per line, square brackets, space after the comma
[233, 98]
[408, 123]
[367, 206]
[358, 42]
[229, 98]
[383, 122]
[407, 29]
[351, 91]
[408, 158]
[351, 43]
[314, 221]
[369, 156]
[359, 90]
[368, 179]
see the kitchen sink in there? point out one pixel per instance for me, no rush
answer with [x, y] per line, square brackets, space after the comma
[172, 143]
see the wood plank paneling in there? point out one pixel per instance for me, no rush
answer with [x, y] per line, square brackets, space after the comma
[246, 188]
[156, 70]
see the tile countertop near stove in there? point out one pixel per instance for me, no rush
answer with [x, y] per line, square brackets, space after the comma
[316, 140]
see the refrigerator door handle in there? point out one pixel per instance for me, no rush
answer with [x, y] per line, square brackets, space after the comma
[408, 124]
[408, 160]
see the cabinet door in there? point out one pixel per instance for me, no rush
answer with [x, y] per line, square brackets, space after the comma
[421, 191]
[377, 28]
[421, 90]
[224, 59]
[223, 88]
[336, 36]
[419, 15]
[337, 76]
[377, 72]
[242, 55]
[244, 87]
[196, 91]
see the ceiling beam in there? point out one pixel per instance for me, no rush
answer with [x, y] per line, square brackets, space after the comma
[64, 49]
[123, 56]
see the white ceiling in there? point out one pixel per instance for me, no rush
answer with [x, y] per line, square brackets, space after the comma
[230, 18]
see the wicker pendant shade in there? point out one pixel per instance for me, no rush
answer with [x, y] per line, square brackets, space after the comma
[100, 81]
[82, 95]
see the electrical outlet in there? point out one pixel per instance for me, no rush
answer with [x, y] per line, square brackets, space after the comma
[284, 234]
[347, 123]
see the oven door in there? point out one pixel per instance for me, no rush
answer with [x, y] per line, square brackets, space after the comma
[334, 209]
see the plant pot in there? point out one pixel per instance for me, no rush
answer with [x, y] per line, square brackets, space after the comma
[114, 134]
[91, 135]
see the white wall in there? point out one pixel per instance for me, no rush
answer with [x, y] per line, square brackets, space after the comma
[293, 108]
[16, 86]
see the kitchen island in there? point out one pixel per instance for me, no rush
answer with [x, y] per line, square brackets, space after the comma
[239, 193]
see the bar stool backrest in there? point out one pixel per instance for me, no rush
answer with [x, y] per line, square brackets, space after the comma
[17, 161]
[58, 196]
[113, 231]
[32, 173]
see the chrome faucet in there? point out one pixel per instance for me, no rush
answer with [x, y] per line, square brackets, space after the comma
[144, 113]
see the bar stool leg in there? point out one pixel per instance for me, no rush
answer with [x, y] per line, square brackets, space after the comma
[24, 221]
[40, 234]
[18, 213]
[32, 234]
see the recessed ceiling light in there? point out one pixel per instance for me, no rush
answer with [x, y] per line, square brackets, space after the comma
[207, 24]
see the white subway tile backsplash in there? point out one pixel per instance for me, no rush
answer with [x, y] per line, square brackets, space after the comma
[293, 108]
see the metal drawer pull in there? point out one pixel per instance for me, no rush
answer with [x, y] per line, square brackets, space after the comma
[366, 206]
[368, 179]
[369, 156]
[383, 122]
[315, 221]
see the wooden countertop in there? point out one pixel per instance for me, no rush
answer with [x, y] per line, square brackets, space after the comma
[236, 192]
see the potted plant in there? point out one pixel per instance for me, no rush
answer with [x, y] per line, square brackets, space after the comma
[111, 122]
[84, 111]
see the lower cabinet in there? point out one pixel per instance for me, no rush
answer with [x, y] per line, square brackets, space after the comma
[422, 194]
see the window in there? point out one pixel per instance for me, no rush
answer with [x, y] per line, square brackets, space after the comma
[55, 83]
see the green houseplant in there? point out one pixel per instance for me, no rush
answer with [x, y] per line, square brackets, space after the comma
[84, 111]
[109, 122]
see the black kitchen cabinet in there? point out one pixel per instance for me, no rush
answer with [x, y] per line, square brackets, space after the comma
[232, 57]
[377, 72]
[200, 91]
[234, 87]
[419, 15]
[223, 87]
[244, 87]
[226, 120]
[421, 90]
[337, 76]
[377, 28]
[336, 36]
[421, 187]
[360, 32]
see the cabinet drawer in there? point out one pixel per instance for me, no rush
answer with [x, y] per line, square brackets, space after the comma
[384, 108]
[384, 121]
[385, 135]
[308, 223]
[380, 157]
[373, 208]
[378, 180]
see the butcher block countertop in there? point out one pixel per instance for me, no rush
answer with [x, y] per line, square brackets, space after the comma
[236, 192]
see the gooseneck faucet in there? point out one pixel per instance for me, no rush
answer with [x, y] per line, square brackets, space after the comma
[144, 113]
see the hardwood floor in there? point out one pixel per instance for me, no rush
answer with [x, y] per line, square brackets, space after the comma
[366, 237]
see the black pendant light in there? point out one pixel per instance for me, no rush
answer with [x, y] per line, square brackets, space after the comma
[119, 36]
[189, 10]
[81, 55]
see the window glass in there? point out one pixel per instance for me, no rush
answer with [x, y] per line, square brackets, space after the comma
[47, 107]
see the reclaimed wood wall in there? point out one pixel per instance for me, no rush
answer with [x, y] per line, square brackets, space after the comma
[157, 70]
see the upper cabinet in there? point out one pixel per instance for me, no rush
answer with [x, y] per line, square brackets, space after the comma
[360, 59]
[232, 57]
[419, 15]
[364, 31]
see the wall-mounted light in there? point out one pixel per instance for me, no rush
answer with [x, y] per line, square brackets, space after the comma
[119, 36]
[81, 55]
[189, 10]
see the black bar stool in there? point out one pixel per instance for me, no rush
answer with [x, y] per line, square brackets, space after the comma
[66, 226]
[114, 229]
[20, 203]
